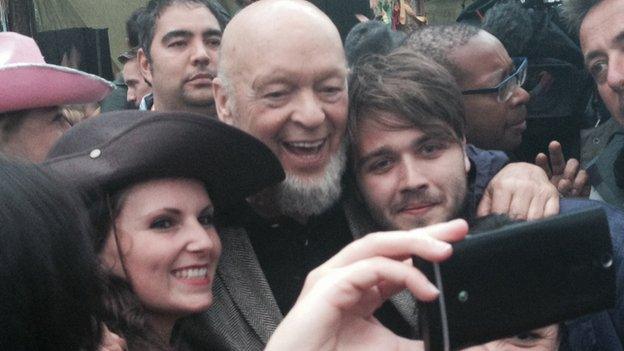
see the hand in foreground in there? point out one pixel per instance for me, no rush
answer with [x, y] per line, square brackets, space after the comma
[568, 177]
[335, 308]
[522, 191]
[111, 341]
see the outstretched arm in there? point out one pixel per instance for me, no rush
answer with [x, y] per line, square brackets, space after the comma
[335, 308]
[521, 191]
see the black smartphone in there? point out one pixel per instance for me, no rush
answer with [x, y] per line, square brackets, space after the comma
[517, 278]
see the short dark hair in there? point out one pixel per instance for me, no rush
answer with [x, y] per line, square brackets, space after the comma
[133, 27]
[50, 297]
[155, 9]
[437, 42]
[419, 91]
[371, 37]
[574, 11]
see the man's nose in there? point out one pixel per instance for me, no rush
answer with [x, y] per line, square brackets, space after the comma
[309, 110]
[200, 53]
[412, 176]
[131, 97]
[520, 97]
[615, 73]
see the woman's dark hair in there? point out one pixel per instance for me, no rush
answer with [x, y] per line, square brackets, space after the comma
[50, 289]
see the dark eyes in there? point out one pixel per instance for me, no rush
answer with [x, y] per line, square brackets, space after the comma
[162, 223]
[432, 149]
[212, 42]
[206, 219]
[178, 43]
[215, 42]
[598, 70]
[380, 166]
[275, 94]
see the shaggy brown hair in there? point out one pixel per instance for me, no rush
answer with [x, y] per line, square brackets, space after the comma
[419, 92]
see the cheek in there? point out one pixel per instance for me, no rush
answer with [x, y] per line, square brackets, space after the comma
[377, 191]
[337, 114]
[266, 125]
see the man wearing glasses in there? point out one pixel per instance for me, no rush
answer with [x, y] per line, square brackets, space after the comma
[493, 97]
[490, 81]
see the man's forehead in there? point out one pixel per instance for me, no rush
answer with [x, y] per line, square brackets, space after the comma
[389, 123]
[483, 59]
[602, 25]
[175, 17]
[270, 31]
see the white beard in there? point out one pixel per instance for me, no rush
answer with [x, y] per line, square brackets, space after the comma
[304, 198]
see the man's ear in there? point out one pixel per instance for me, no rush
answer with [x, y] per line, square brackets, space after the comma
[466, 159]
[144, 66]
[222, 102]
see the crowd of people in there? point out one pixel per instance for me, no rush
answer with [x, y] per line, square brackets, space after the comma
[256, 186]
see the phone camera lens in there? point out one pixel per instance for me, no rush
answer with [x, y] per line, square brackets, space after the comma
[606, 261]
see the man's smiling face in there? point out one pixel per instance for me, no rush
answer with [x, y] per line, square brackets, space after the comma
[410, 178]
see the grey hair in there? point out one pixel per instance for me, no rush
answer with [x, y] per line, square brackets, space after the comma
[437, 42]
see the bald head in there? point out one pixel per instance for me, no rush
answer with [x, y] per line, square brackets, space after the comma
[283, 79]
[274, 25]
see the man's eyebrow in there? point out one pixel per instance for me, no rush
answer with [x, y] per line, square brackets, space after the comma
[274, 78]
[382, 151]
[618, 39]
[176, 34]
[212, 32]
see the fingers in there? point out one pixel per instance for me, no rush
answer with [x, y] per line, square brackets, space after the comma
[571, 169]
[557, 161]
[552, 207]
[582, 184]
[521, 204]
[541, 160]
[575, 180]
[485, 206]
[370, 273]
[501, 200]
[430, 243]
[565, 187]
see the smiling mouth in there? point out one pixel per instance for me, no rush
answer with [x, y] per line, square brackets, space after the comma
[305, 148]
[191, 273]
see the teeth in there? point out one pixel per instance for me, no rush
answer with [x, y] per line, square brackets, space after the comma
[191, 273]
[307, 144]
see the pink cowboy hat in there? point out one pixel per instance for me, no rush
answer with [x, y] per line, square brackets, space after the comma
[28, 82]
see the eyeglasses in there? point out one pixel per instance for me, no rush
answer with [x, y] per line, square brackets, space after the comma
[507, 87]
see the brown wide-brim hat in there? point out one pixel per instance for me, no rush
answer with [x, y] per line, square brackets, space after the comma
[114, 150]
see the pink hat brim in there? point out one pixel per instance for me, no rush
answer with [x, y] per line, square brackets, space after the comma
[28, 86]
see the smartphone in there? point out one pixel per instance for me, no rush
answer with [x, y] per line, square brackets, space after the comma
[517, 278]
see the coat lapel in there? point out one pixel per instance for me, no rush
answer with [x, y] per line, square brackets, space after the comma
[245, 282]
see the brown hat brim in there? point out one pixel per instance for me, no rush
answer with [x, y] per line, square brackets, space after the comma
[117, 149]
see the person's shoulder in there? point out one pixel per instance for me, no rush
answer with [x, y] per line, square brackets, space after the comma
[567, 205]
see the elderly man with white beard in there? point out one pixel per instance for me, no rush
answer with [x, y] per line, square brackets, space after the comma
[283, 78]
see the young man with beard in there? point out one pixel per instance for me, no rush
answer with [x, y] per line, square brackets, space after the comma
[283, 78]
[492, 93]
[411, 169]
[178, 54]
[600, 26]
